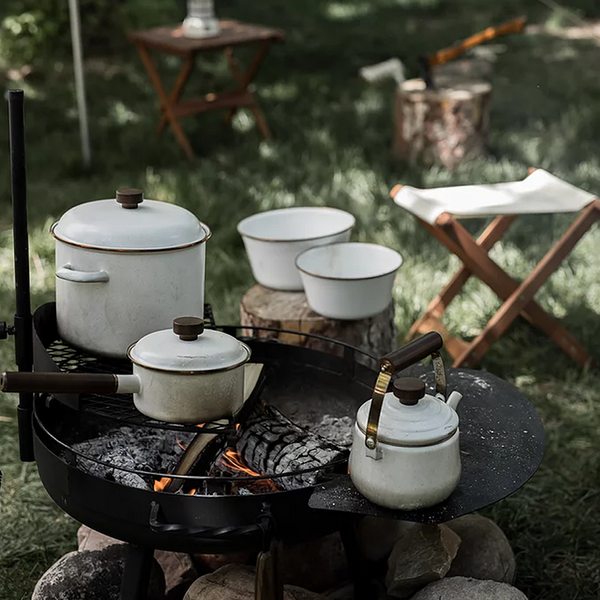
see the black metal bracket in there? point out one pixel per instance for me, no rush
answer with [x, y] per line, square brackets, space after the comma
[6, 330]
[207, 533]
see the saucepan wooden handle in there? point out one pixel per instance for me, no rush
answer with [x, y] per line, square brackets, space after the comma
[59, 383]
[413, 352]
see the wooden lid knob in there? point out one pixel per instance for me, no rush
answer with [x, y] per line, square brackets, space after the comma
[188, 328]
[409, 390]
[130, 197]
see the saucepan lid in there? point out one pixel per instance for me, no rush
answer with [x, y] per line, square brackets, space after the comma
[189, 348]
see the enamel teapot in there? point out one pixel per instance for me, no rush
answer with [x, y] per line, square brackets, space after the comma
[405, 449]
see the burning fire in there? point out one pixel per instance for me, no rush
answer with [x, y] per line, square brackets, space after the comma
[232, 460]
[229, 459]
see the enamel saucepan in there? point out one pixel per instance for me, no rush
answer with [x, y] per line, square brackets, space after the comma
[184, 375]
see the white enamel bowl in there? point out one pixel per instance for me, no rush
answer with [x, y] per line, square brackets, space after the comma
[349, 280]
[274, 238]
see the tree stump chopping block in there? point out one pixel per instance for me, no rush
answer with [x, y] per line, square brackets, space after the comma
[441, 126]
[261, 307]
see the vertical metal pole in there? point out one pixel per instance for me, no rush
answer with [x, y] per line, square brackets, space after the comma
[23, 329]
[80, 81]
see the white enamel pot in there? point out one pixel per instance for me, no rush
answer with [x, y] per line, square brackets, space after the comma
[405, 451]
[274, 238]
[348, 280]
[126, 268]
[181, 375]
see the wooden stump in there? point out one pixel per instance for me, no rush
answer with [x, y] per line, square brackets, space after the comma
[442, 126]
[261, 307]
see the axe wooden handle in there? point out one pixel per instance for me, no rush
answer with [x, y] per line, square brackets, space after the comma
[448, 54]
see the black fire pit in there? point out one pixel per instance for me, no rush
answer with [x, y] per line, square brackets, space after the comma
[501, 441]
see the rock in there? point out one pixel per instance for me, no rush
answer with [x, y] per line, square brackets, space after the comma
[484, 552]
[178, 568]
[376, 537]
[345, 591]
[89, 539]
[316, 565]
[421, 556]
[212, 562]
[92, 575]
[463, 588]
[236, 582]
[179, 572]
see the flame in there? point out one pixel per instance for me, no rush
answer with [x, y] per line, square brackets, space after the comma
[161, 484]
[233, 460]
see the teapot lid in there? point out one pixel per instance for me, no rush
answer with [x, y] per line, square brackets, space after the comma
[189, 348]
[409, 417]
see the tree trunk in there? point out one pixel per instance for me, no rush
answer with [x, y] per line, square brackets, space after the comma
[261, 307]
[441, 126]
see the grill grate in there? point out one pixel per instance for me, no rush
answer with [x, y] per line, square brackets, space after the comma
[120, 407]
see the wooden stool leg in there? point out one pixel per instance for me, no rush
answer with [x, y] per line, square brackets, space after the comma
[457, 239]
[165, 102]
[244, 80]
[436, 308]
[516, 302]
[182, 79]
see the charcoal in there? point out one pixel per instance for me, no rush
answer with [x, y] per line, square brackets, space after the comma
[139, 448]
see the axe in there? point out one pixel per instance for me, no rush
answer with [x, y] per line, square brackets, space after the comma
[443, 56]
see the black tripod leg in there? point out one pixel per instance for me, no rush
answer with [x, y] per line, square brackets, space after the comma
[136, 574]
[359, 568]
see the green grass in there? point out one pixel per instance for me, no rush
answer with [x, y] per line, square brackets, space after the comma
[331, 147]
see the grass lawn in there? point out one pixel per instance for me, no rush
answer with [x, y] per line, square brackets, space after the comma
[331, 147]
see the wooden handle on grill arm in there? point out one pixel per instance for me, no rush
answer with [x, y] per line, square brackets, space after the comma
[413, 352]
[448, 54]
[58, 383]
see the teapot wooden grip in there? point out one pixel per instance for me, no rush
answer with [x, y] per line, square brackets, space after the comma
[413, 352]
[58, 383]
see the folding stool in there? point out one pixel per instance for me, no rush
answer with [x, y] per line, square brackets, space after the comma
[438, 210]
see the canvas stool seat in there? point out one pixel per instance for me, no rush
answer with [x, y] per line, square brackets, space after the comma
[439, 211]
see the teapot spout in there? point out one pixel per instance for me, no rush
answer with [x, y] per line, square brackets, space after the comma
[454, 399]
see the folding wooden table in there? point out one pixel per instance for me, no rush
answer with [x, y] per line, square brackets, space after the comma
[170, 40]
[517, 297]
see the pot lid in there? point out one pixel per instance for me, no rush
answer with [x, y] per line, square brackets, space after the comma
[189, 348]
[409, 417]
[128, 222]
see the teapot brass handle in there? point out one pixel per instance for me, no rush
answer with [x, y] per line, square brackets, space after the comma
[428, 345]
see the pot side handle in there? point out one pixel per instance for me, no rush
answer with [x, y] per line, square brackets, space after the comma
[67, 273]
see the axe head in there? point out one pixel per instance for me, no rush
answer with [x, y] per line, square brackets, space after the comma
[426, 73]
